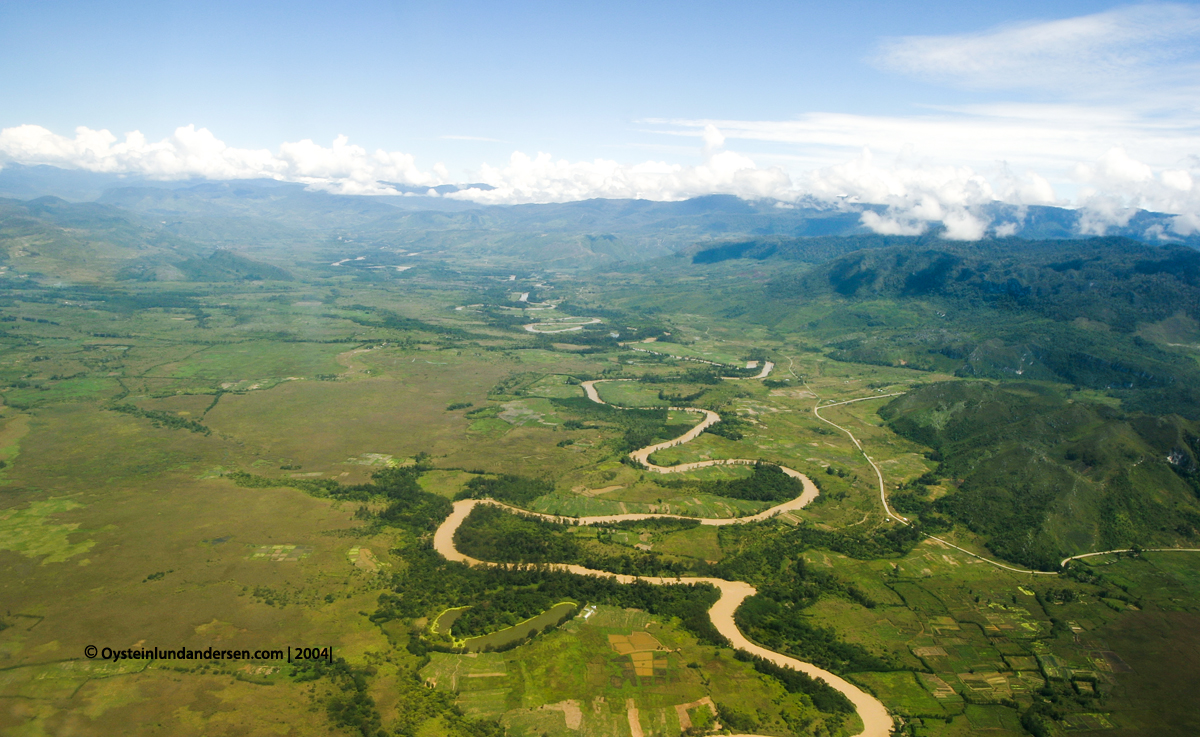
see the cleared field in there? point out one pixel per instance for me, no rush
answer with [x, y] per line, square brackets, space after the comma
[448, 671]
[529, 628]
[445, 483]
[630, 394]
[905, 694]
[555, 386]
[699, 542]
[706, 350]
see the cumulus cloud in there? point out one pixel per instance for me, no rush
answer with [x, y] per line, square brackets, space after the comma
[903, 194]
[1116, 185]
[545, 179]
[349, 169]
[892, 225]
[197, 153]
[956, 160]
[916, 196]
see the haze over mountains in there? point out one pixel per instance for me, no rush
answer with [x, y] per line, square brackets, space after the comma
[252, 215]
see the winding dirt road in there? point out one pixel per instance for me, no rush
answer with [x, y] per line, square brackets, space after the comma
[892, 516]
[876, 720]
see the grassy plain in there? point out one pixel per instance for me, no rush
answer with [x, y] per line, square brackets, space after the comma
[120, 530]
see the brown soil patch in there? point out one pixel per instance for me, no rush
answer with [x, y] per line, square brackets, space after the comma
[685, 721]
[584, 491]
[635, 642]
[635, 723]
[571, 711]
[939, 688]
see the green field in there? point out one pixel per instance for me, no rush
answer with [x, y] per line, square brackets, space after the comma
[260, 463]
[574, 676]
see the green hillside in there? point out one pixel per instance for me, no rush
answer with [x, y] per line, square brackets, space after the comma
[81, 242]
[1115, 281]
[225, 265]
[1107, 314]
[89, 242]
[1042, 477]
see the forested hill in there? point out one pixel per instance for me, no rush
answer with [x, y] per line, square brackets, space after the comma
[1115, 281]
[1108, 314]
[1041, 477]
[814, 250]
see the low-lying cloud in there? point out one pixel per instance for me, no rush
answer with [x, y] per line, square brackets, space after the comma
[1107, 120]
[197, 153]
[916, 194]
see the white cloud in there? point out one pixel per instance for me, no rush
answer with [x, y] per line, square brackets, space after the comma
[1116, 51]
[917, 191]
[1177, 179]
[544, 179]
[190, 152]
[1186, 225]
[349, 169]
[963, 226]
[917, 196]
[1116, 185]
[1050, 139]
[890, 225]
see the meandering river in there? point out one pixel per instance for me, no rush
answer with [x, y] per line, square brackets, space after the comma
[876, 720]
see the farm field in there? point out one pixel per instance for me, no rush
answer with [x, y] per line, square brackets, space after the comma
[585, 678]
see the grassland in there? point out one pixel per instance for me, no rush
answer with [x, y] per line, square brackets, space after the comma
[119, 531]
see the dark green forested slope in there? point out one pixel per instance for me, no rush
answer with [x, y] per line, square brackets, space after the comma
[1116, 281]
[1088, 313]
[1042, 477]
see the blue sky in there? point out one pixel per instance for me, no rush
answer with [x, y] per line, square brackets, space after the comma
[571, 77]
[1014, 92]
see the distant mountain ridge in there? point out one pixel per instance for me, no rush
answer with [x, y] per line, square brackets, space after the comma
[89, 242]
[266, 213]
[1109, 314]
[1117, 281]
